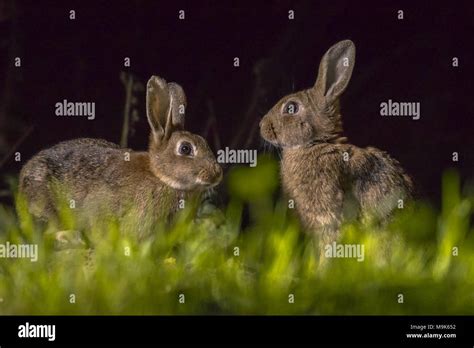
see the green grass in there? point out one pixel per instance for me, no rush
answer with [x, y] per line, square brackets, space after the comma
[412, 255]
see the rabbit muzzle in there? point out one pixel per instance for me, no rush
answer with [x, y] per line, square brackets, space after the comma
[210, 176]
[267, 131]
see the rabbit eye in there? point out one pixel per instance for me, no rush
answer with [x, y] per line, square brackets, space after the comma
[291, 108]
[185, 149]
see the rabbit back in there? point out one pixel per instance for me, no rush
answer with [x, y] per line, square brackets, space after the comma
[379, 182]
[94, 174]
[331, 183]
[50, 165]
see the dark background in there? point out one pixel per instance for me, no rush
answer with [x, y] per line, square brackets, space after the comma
[81, 60]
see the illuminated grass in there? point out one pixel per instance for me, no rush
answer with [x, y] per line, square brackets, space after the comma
[412, 256]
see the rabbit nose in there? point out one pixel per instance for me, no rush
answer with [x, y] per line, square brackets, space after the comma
[218, 172]
[212, 175]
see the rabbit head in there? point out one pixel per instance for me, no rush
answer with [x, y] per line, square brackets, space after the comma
[179, 158]
[312, 116]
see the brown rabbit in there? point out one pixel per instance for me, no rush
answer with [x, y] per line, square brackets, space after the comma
[98, 175]
[326, 177]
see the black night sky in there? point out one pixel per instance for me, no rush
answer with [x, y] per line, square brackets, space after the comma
[81, 60]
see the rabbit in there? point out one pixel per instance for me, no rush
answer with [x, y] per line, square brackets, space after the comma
[329, 179]
[99, 175]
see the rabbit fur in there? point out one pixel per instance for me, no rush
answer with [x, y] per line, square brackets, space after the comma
[100, 177]
[329, 179]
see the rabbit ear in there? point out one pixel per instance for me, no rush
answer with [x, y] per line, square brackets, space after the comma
[165, 103]
[178, 105]
[335, 71]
